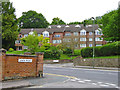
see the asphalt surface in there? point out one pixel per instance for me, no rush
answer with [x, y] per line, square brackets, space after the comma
[94, 76]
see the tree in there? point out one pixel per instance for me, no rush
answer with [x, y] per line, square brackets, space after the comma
[10, 28]
[33, 41]
[110, 27]
[32, 19]
[57, 21]
[74, 23]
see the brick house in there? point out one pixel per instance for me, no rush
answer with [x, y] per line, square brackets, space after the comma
[80, 35]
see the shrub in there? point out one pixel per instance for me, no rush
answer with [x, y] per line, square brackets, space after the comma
[52, 53]
[67, 51]
[77, 52]
[87, 52]
[11, 50]
[105, 50]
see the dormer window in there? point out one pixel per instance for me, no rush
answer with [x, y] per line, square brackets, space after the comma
[83, 32]
[58, 26]
[45, 34]
[98, 32]
[49, 26]
[78, 26]
[67, 26]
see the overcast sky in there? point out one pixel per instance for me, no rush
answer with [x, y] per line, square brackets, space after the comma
[67, 10]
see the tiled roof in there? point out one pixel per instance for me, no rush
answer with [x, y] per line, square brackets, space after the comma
[54, 28]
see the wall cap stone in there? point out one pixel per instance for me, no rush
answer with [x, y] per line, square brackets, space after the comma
[37, 53]
[21, 55]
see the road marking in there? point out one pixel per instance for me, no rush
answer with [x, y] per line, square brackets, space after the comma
[60, 75]
[87, 80]
[94, 83]
[81, 81]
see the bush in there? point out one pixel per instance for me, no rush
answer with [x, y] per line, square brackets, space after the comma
[52, 53]
[110, 49]
[67, 51]
[11, 50]
[77, 52]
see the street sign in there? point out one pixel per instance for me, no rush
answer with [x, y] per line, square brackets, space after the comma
[55, 60]
[24, 60]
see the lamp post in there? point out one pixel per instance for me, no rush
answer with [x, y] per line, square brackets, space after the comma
[93, 40]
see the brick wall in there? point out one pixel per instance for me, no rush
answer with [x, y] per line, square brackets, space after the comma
[12, 69]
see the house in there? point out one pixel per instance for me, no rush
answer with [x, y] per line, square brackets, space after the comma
[80, 35]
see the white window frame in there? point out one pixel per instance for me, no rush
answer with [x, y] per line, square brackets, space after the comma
[83, 32]
[57, 35]
[25, 35]
[90, 33]
[67, 34]
[82, 45]
[75, 33]
[98, 39]
[90, 39]
[98, 45]
[82, 39]
[90, 45]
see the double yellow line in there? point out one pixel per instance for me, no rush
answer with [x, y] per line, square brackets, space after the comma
[61, 75]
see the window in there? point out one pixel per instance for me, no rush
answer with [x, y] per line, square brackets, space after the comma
[82, 45]
[20, 48]
[90, 45]
[57, 36]
[20, 36]
[82, 32]
[25, 47]
[75, 33]
[45, 34]
[97, 32]
[90, 39]
[38, 34]
[76, 39]
[76, 46]
[17, 41]
[25, 35]
[98, 44]
[56, 41]
[98, 39]
[90, 33]
[82, 39]
[68, 34]
[67, 40]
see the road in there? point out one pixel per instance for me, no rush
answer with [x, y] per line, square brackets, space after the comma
[103, 78]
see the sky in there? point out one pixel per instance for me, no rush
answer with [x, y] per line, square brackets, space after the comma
[67, 10]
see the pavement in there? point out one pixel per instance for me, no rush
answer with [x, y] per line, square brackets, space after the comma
[51, 80]
[86, 67]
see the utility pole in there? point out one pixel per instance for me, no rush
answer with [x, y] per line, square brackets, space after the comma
[93, 41]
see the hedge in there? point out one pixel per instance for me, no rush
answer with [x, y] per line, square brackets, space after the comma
[105, 50]
[52, 53]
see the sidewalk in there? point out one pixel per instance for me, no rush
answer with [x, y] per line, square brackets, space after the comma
[12, 84]
[86, 67]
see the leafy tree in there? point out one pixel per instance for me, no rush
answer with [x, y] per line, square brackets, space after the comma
[74, 23]
[32, 19]
[57, 21]
[33, 41]
[9, 25]
[110, 27]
